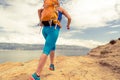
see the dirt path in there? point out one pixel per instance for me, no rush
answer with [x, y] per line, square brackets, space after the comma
[67, 68]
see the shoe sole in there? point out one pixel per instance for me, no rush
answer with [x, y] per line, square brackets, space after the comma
[51, 69]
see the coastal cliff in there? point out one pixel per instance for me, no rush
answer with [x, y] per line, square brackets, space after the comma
[101, 63]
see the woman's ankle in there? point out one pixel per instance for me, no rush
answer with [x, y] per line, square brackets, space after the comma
[52, 63]
[38, 74]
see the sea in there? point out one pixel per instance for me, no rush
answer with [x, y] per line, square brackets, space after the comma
[26, 55]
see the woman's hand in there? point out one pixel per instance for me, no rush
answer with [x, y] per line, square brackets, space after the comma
[40, 24]
[65, 13]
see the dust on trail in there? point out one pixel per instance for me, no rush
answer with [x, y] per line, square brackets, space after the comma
[67, 68]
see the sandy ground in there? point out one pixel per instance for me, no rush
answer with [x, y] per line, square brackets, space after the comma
[67, 68]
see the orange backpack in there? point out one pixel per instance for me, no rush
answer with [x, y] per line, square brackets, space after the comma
[50, 12]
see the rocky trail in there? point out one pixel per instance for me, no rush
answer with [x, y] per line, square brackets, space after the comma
[102, 63]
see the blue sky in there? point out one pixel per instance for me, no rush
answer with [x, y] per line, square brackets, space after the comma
[94, 22]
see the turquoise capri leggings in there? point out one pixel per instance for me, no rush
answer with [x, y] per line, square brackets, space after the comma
[50, 34]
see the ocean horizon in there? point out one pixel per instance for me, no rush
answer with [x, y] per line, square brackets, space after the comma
[12, 52]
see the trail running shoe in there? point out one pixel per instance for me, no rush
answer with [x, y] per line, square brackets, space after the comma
[52, 68]
[34, 77]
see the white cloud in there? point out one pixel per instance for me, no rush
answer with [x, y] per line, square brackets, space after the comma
[92, 13]
[112, 32]
[22, 14]
[23, 38]
[79, 42]
[114, 26]
[19, 16]
[69, 34]
[117, 6]
[38, 39]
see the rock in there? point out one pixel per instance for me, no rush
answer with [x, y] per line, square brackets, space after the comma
[109, 55]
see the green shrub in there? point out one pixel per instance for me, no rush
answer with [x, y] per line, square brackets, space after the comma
[112, 42]
[118, 38]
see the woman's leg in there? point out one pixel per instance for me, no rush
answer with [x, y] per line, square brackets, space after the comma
[52, 55]
[41, 64]
[49, 45]
[50, 38]
[42, 61]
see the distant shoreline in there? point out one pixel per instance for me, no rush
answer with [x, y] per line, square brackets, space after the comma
[17, 46]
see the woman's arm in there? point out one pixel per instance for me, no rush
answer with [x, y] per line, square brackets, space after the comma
[39, 15]
[65, 13]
